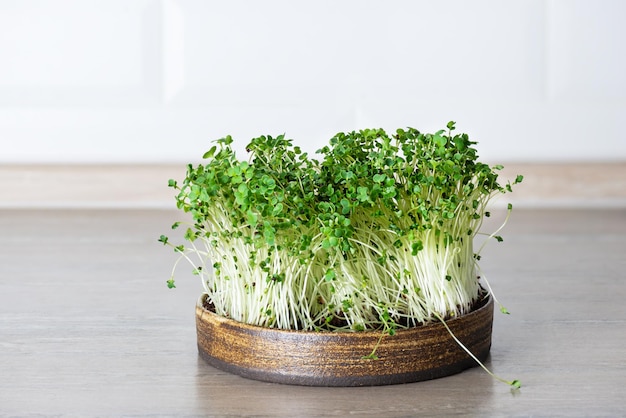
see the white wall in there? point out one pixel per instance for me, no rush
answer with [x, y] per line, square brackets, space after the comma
[154, 81]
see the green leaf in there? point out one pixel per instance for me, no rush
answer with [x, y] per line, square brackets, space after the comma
[346, 305]
[163, 239]
[416, 247]
[277, 209]
[379, 178]
[190, 235]
[172, 183]
[253, 218]
[226, 140]
[170, 284]
[345, 206]
[270, 235]
[363, 194]
[210, 153]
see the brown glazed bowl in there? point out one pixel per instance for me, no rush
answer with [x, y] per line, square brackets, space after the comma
[336, 359]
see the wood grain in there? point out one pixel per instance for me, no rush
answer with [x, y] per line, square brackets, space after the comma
[336, 358]
[89, 328]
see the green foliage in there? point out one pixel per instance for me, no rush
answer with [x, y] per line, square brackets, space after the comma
[375, 233]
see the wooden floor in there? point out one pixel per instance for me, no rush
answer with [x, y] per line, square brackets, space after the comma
[89, 328]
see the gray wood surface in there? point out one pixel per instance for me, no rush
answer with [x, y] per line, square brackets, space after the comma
[89, 328]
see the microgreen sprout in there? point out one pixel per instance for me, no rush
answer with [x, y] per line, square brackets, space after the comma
[514, 384]
[375, 232]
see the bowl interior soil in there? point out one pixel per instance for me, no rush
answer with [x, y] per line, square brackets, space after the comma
[336, 359]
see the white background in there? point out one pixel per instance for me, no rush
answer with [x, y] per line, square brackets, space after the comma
[154, 81]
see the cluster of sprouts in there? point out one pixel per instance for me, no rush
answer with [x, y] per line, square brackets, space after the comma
[377, 233]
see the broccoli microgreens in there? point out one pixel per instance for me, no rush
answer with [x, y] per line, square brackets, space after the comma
[375, 233]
